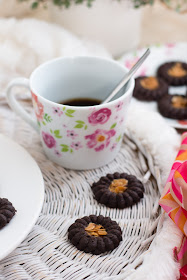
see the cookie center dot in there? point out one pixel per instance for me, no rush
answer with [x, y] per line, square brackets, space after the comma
[179, 102]
[177, 70]
[118, 185]
[149, 83]
[95, 230]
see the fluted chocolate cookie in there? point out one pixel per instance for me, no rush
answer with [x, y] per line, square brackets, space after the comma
[149, 88]
[173, 106]
[95, 234]
[118, 190]
[7, 211]
[174, 73]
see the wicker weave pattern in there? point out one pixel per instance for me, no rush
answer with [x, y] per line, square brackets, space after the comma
[46, 252]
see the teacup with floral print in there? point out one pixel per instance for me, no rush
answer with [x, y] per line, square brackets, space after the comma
[75, 136]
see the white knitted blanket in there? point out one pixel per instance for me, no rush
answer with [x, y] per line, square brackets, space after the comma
[25, 44]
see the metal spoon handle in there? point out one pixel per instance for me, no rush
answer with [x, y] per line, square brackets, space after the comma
[127, 76]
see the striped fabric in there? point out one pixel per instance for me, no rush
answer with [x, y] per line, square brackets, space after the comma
[174, 197]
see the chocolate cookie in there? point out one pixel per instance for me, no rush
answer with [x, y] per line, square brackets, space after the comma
[173, 106]
[7, 211]
[118, 190]
[149, 88]
[95, 234]
[174, 73]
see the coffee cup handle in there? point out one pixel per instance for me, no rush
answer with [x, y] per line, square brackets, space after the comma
[14, 104]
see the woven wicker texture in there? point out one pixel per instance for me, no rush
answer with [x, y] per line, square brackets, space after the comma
[46, 252]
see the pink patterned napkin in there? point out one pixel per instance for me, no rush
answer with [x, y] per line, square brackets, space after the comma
[174, 197]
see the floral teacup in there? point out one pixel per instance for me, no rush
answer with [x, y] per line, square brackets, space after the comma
[76, 137]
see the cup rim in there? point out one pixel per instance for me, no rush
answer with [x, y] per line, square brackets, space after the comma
[113, 102]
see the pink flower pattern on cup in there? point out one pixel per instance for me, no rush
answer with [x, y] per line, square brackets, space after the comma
[49, 140]
[57, 111]
[72, 134]
[121, 120]
[99, 117]
[76, 145]
[39, 108]
[113, 146]
[57, 153]
[100, 139]
[119, 106]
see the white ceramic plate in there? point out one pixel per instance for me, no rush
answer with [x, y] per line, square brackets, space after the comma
[21, 182]
[159, 55]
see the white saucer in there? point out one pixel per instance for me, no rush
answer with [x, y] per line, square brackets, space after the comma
[21, 182]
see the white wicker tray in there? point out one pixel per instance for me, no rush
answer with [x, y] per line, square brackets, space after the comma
[46, 252]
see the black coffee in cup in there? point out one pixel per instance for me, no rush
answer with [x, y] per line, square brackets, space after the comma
[81, 102]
